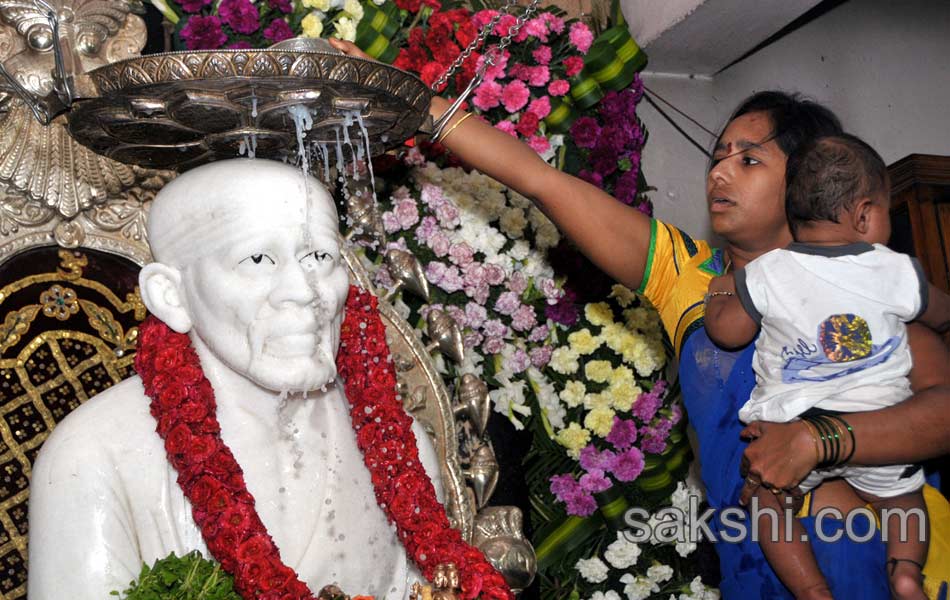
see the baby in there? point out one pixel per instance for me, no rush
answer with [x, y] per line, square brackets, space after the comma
[830, 313]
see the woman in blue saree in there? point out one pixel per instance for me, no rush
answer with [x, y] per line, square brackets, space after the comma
[746, 202]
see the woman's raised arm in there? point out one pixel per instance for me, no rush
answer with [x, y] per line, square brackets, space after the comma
[616, 237]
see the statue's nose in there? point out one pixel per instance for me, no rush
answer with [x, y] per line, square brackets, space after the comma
[293, 286]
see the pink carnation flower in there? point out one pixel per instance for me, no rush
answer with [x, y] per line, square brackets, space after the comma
[542, 55]
[541, 107]
[555, 23]
[539, 143]
[515, 96]
[536, 27]
[538, 76]
[559, 87]
[508, 127]
[581, 36]
[523, 319]
[488, 95]
[278, 31]
[540, 356]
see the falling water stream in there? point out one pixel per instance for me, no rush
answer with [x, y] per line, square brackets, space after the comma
[306, 154]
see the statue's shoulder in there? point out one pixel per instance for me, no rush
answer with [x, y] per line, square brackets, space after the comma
[107, 422]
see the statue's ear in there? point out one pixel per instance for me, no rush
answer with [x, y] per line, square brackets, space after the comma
[160, 286]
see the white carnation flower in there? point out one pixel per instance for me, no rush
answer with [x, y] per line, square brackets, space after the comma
[622, 553]
[637, 588]
[660, 573]
[608, 595]
[592, 569]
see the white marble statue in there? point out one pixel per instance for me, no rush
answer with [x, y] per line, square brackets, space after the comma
[261, 298]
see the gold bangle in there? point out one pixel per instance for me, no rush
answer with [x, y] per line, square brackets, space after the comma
[814, 436]
[452, 128]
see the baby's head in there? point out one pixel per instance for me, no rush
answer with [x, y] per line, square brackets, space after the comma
[837, 189]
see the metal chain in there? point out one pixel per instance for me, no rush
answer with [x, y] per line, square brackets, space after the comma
[484, 33]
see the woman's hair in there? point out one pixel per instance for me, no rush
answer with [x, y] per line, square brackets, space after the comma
[825, 177]
[795, 119]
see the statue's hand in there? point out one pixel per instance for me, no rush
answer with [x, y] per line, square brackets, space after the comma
[779, 456]
[349, 48]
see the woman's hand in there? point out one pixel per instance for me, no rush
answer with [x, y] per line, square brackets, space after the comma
[349, 48]
[779, 456]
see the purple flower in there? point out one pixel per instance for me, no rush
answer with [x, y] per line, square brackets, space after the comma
[592, 459]
[240, 45]
[550, 289]
[475, 315]
[440, 243]
[565, 311]
[447, 215]
[646, 405]
[284, 6]
[203, 33]
[494, 274]
[426, 228]
[519, 361]
[461, 254]
[541, 356]
[278, 31]
[603, 160]
[563, 486]
[581, 504]
[435, 271]
[626, 188]
[539, 333]
[628, 464]
[493, 345]
[594, 482]
[451, 280]
[524, 318]
[471, 339]
[623, 434]
[653, 439]
[495, 328]
[585, 131]
[194, 6]
[518, 283]
[240, 15]
[508, 303]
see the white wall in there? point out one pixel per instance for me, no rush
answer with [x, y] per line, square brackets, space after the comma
[882, 65]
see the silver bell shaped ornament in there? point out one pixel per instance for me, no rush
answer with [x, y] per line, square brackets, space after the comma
[445, 335]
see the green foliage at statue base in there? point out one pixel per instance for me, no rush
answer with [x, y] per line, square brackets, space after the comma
[190, 577]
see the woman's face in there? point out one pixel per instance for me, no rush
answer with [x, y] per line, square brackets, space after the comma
[745, 189]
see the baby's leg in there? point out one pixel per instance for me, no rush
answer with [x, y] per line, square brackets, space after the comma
[907, 549]
[793, 561]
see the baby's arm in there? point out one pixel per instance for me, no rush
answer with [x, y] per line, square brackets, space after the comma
[727, 321]
[937, 315]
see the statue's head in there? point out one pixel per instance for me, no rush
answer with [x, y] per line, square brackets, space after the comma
[236, 268]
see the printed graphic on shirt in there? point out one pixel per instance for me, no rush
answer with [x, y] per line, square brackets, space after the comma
[844, 346]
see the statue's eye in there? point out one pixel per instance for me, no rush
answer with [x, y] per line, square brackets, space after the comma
[258, 259]
[311, 259]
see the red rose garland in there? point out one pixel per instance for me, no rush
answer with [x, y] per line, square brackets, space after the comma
[183, 403]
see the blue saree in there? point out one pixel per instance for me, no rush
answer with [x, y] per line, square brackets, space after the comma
[715, 385]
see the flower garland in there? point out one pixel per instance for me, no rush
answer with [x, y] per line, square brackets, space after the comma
[183, 403]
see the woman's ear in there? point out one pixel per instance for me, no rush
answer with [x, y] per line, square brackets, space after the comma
[162, 294]
[862, 215]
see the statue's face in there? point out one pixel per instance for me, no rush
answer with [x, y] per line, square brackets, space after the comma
[265, 294]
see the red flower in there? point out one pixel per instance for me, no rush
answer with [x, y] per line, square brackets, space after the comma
[528, 124]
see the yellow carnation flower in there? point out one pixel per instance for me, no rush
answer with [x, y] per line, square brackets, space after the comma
[623, 294]
[599, 313]
[595, 401]
[583, 342]
[623, 395]
[354, 9]
[598, 370]
[321, 5]
[345, 29]
[564, 361]
[574, 438]
[312, 25]
[600, 421]
[573, 393]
